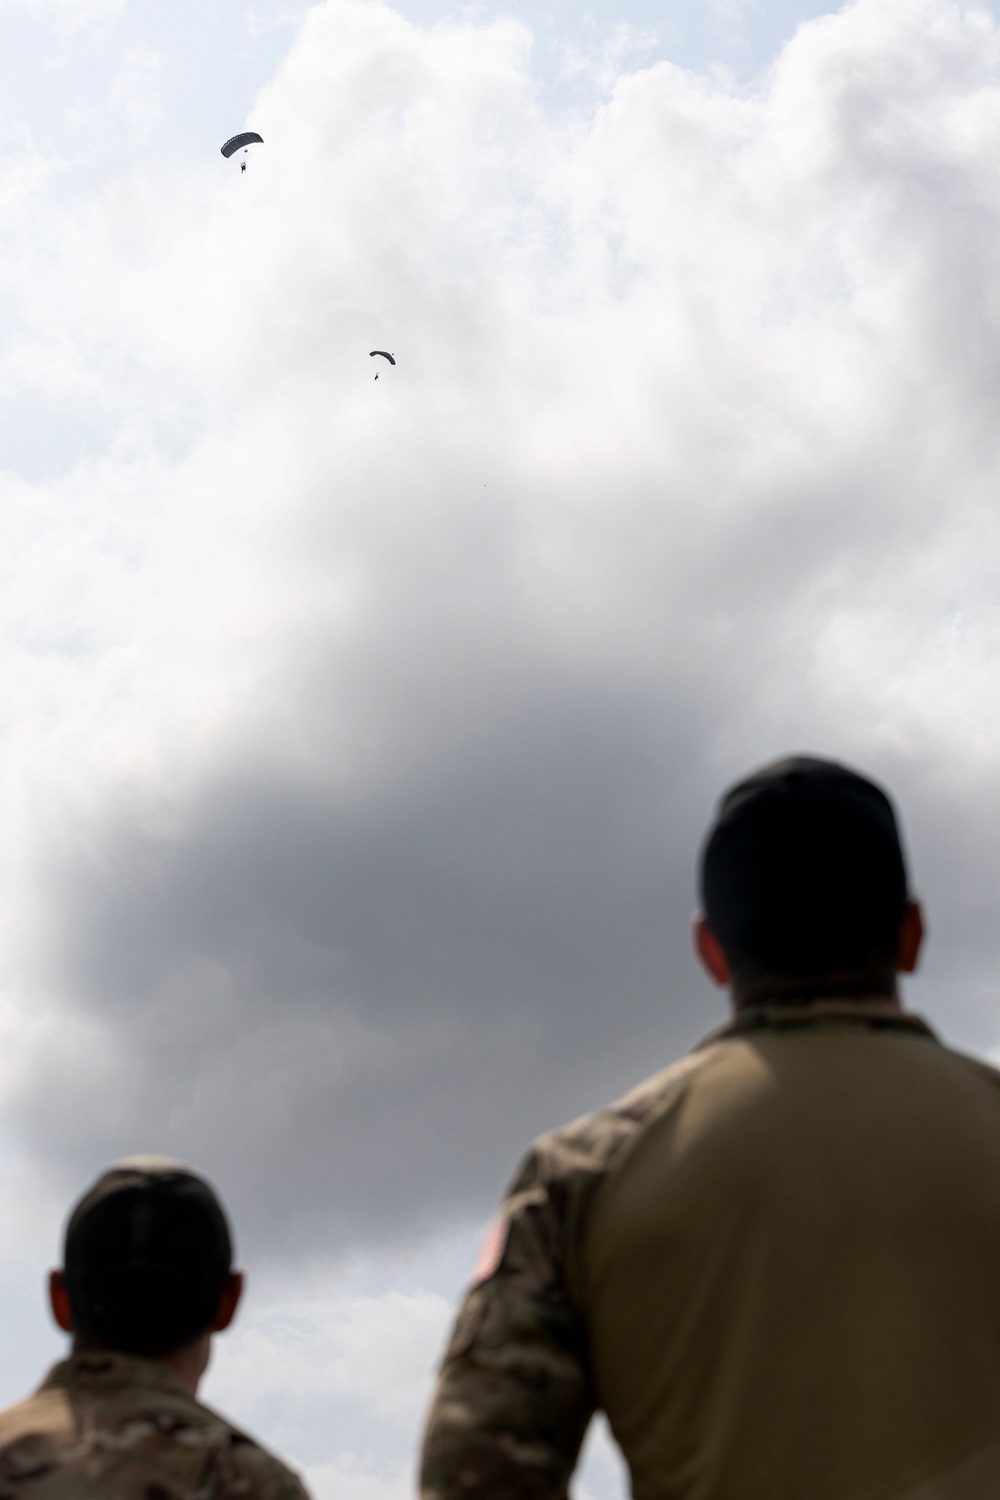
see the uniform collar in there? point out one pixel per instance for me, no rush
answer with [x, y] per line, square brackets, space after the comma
[98, 1370]
[874, 1015]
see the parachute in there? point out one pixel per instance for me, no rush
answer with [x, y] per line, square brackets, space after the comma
[384, 353]
[236, 141]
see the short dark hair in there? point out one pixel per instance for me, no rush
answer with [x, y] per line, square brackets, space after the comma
[148, 1251]
[802, 872]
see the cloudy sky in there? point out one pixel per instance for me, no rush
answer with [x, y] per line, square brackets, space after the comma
[356, 738]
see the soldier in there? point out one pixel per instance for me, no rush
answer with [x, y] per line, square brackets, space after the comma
[148, 1279]
[775, 1266]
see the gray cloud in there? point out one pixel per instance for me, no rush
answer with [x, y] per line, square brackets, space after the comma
[360, 1012]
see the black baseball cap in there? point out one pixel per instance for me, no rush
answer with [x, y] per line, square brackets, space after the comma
[802, 871]
[148, 1251]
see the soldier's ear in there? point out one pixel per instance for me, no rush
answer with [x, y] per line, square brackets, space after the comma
[911, 937]
[59, 1301]
[229, 1301]
[710, 951]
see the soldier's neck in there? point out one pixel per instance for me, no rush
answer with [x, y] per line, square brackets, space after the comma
[189, 1362]
[877, 985]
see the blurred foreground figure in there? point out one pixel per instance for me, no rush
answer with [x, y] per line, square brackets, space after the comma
[775, 1265]
[147, 1281]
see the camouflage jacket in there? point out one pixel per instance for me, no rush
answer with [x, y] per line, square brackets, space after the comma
[120, 1428]
[773, 1266]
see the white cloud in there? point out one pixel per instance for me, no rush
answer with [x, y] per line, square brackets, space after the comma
[73, 12]
[367, 1358]
[348, 1477]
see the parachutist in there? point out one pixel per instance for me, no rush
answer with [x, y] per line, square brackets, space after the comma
[243, 166]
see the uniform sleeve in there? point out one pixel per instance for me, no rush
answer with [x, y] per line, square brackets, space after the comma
[514, 1394]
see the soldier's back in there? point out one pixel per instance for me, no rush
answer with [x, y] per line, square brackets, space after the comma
[121, 1428]
[789, 1271]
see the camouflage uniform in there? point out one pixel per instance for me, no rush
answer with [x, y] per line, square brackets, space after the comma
[775, 1266]
[120, 1428]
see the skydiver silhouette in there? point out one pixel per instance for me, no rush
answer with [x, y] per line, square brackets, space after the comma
[243, 166]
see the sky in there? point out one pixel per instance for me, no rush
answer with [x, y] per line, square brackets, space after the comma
[357, 738]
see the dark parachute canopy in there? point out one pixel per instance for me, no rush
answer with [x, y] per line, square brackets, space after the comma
[236, 141]
[384, 353]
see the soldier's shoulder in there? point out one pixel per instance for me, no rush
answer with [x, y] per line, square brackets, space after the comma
[46, 1413]
[77, 1438]
[983, 1069]
[245, 1466]
[531, 1246]
[255, 1473]
[591, 1144]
